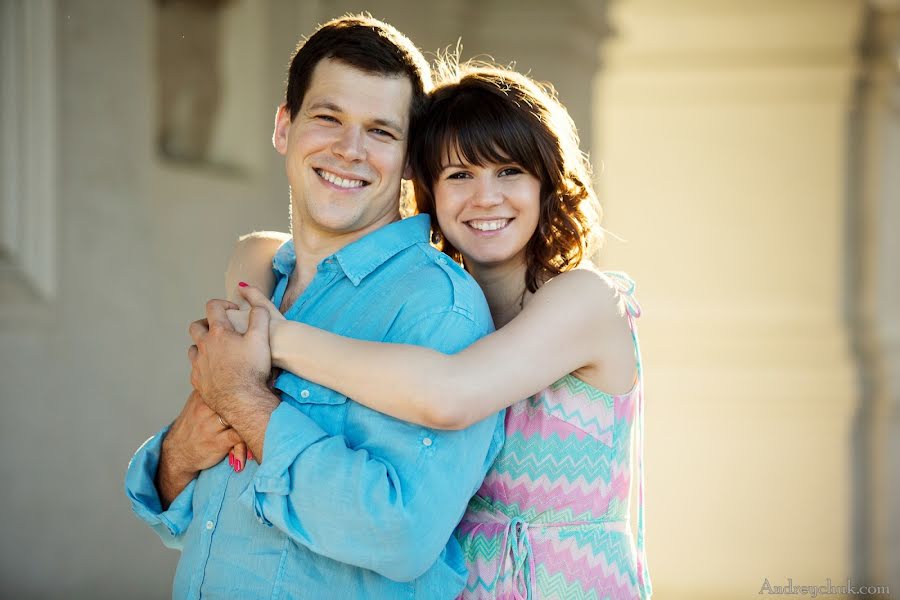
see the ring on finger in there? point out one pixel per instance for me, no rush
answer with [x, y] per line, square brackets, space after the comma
[223, 422]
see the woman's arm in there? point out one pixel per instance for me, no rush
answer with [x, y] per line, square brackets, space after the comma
[573, 323]
[251, 262]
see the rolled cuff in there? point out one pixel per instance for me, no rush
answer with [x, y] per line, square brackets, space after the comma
[288, 434]
[140, 487]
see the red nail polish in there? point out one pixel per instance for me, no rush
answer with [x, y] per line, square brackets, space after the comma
[231, 460]
[242, 284]
[240, 466]
[249, 454]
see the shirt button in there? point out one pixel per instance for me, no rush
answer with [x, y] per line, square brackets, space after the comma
[304, 394]
[427, 441]
[209, 525]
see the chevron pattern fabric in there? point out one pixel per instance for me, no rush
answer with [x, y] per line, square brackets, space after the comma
[551, 519]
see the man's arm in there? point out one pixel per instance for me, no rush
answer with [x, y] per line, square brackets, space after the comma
[231, 371]
[160, 476]
[387, 495]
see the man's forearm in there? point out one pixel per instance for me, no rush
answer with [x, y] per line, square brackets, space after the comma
[170, 480]
[248, 412]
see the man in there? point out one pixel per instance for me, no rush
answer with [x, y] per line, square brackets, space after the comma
[345, 502]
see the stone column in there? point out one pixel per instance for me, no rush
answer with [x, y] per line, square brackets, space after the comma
[875, 298]
[722, 129]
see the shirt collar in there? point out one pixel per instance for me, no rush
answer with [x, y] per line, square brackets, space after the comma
[366, 254]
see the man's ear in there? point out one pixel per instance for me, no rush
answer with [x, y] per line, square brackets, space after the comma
[282, 128]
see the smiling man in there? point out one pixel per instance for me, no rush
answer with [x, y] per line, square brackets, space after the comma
[345, 502]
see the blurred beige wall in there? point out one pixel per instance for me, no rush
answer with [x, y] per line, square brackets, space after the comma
[722, 131]
[733, 170]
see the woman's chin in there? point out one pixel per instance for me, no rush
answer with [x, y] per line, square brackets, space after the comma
[493, 258]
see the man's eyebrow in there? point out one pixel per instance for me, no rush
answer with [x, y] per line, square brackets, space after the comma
[381, 122]
[388, 123]
[326, 105]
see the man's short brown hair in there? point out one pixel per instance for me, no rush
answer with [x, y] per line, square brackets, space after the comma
[367, 44]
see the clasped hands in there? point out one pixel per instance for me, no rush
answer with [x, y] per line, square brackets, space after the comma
[230, 366]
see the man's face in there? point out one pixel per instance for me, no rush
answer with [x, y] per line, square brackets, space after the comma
[345, 151]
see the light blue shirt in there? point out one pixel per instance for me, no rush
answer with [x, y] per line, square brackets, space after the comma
[348, 503]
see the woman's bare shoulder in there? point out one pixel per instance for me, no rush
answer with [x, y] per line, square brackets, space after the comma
[586, 290]
[260, 242]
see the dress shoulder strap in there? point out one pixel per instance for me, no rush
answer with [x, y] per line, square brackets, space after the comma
[625, 286]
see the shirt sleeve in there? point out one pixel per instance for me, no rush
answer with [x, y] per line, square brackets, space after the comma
[140, 487]
[386, 495]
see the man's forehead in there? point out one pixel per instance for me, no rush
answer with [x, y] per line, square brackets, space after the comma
[337, 86]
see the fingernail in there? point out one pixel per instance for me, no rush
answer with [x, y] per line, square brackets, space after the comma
[249, 454]
[242, 284]
[231, 459]
[240, 466]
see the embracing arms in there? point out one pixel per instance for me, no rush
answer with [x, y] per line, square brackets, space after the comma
[574, 323]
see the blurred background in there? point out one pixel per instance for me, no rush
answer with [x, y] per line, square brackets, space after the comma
[748, 158]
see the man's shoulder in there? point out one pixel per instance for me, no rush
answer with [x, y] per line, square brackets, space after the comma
[424, 280]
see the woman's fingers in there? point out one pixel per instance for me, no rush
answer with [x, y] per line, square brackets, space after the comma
[239, 457]
[255, 297]
[239, 319]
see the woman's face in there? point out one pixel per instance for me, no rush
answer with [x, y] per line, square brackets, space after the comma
[488, 213]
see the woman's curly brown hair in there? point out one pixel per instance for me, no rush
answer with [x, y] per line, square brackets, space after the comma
[490, 114]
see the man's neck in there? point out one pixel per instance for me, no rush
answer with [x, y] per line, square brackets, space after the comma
[312, 245]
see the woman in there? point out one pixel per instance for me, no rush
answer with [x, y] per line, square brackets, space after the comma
[498, 168]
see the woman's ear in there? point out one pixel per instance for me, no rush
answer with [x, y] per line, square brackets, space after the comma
[282, 128]
[407, 171]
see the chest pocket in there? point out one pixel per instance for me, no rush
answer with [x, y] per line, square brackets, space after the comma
[323, 405]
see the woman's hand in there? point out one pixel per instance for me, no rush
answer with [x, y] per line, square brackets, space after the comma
[249, 297]
[239, 456]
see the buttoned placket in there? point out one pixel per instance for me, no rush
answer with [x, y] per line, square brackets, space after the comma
[210, 520]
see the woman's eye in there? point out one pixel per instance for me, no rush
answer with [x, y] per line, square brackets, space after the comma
[511, 171]
[458, 175]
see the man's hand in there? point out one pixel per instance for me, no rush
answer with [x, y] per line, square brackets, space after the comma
[197, 440]
[230, 370]
[226, 363]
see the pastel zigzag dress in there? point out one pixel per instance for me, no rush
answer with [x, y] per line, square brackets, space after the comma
[551, 520]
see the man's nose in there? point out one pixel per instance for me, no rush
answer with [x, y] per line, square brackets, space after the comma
[350, 145]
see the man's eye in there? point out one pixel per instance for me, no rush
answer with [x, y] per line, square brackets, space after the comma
[383, 133]
[327, 118]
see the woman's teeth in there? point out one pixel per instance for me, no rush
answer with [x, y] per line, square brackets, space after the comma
[489, 225]
[340, 181]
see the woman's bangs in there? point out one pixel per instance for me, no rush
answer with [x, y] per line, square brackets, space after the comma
[480, 130]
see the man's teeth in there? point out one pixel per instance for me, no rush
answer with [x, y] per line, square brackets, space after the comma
[489, 225]
[340, 181]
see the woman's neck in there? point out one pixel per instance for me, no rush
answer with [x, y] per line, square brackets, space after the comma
[504, 287]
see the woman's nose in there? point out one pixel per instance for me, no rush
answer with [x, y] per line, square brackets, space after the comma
[488, 192]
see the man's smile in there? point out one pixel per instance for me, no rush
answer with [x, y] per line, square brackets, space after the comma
[338, 181]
